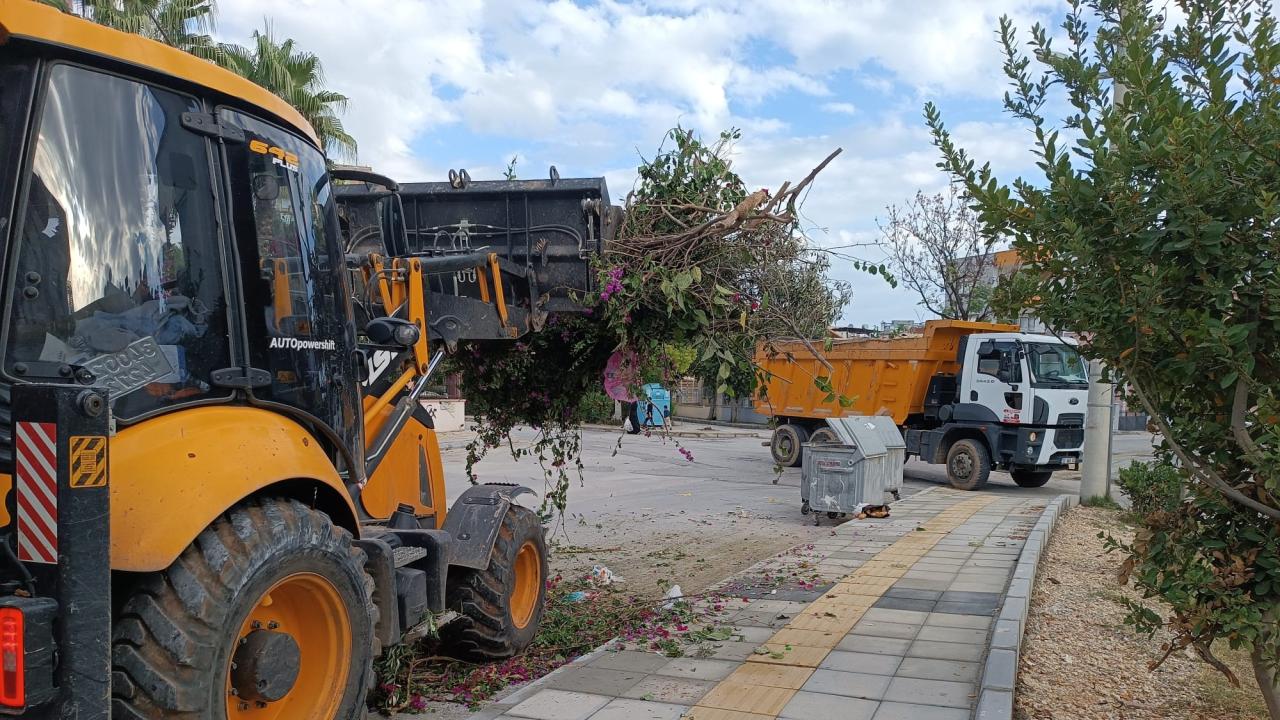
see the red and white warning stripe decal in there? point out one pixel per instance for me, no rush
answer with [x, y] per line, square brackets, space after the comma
[36, 452]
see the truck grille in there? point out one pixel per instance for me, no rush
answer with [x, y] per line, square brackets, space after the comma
[1076, 419]
[1068, 438]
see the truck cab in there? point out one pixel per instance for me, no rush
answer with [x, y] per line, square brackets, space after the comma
[1017, 403]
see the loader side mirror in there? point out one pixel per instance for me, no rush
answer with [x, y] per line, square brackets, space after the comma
[388, 331]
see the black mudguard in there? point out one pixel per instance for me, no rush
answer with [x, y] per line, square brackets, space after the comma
[473, 522]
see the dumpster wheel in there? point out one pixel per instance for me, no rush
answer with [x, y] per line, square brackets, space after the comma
[268, 614]
[501, 606]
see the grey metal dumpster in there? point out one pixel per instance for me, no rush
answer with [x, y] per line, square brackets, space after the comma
[838, 478]
[897, 446]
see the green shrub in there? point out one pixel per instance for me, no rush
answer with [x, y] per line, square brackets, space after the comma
[1155, 487]
[596, 407]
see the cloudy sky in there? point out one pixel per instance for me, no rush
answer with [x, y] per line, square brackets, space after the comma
[590, 86]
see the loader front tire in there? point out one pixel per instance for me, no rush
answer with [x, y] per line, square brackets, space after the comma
[501, 606]
[267, 614]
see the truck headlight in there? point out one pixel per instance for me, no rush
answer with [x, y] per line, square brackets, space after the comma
[1032, 437]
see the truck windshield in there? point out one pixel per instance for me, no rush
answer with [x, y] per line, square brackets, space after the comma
[118, 268]
[1056, 364]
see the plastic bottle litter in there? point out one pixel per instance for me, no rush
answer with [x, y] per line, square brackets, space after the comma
[674, 594]
[601, 575]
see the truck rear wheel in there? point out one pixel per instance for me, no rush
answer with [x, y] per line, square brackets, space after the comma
[1031, 478]
[501, 605]
[968, 465]
[824, 436]
[268, 614]
[786, 444]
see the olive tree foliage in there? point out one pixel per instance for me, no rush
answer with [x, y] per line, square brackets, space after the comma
[1154, 231]
[936, 248]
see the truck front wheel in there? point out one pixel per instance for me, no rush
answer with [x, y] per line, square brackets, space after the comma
[1031, 478]
[501, 606]
[268, 614]
[968, 465]
[786, 444]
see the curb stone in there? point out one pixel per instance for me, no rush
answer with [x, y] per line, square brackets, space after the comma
[1000, 673]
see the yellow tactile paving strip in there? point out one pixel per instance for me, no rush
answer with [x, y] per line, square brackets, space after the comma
[765, 683]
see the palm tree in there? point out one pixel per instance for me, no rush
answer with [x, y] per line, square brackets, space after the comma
[184, 24]
[297, 77]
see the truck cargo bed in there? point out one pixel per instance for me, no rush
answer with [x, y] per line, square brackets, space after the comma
[882, 376]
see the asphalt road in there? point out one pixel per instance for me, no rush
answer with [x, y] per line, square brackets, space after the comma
[649, 514]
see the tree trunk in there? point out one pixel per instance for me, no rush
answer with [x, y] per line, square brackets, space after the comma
[1267, 682]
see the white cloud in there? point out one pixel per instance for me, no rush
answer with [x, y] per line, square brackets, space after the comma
[443, 83]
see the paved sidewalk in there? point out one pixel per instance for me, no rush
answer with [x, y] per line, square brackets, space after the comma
[897, 627]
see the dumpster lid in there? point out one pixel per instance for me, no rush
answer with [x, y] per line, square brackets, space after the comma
[889, 432]
[859, 431]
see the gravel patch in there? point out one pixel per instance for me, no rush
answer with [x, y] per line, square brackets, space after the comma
[1080, 662]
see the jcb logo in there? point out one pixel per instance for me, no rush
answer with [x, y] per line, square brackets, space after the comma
[378, 363]
[279, 156]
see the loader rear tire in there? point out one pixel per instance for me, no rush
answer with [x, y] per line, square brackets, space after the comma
[267, 614]
[501, 606]
[786, 444]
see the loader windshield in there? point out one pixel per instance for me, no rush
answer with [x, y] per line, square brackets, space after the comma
[117, 268]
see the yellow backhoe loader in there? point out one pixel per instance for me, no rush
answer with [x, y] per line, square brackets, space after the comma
[222, 496]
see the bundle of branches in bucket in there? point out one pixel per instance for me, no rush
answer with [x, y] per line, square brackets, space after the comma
[702, 270]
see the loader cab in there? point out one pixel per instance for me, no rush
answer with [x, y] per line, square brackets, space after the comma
[179, 249]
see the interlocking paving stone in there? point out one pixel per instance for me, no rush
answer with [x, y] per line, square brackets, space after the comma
[698, 668]
[956, 608]
[761, 699]
[970, 597]
[733, 650]
[661, 688]
[877, 628]
[644, 662]
[901, 603]
[942, 619]
[911, 711]
[945, 651]
[906, 617]
[860, 685]
[810, 706]
[930, 669]
[930, 692]
[954, 635]
[559, 705]
[874, 645]
[912, 594]
[595, 680]
[624, 709]
[870, 663]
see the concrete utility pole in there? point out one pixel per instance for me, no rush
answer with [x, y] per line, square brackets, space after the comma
[1095, 471]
